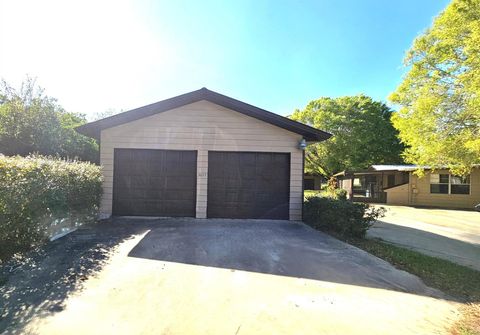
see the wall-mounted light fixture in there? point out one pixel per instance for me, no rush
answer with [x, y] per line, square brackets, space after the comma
[302, 144]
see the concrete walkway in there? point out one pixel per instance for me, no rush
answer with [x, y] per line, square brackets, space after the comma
[453, 235]
[231, 277]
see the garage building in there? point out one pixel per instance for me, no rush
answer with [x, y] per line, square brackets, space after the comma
[203, 155]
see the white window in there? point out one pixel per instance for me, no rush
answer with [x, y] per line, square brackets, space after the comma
[442, 183]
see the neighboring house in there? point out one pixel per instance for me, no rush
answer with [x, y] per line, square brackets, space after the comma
[204, 155]
[398, 185]
[312, 181]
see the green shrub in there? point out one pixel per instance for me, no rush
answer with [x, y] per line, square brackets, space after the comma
[340, 216]
[338, 193]
[311, 193]
[37, 193]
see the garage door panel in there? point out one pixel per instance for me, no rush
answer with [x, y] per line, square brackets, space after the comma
[178, 195]
[235, 211]
[136, 193]
[154, 182]
[239, 183]
[122, 202]
[175, 207]
[275, 212]
[246, 172]
[216, 197]
[123, 182]
[247, 158]
[144, 182]
[216, 182]
[248, 185]
[178, 182]
[240, 196]
[152, 193]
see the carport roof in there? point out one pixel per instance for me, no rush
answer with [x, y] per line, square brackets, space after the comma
[311, 134]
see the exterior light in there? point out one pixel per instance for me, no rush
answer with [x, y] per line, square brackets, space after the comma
[303, 144]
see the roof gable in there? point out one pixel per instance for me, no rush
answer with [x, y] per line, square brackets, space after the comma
[93, 129]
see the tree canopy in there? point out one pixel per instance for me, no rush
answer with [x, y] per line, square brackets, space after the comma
[362, 134]
[439, 118]
[32, 122]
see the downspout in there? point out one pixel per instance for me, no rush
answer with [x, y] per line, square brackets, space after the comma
[410, 188]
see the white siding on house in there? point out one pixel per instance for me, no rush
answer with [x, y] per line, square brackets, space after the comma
[202, 126]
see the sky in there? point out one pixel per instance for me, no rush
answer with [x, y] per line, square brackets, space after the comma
[95, 55]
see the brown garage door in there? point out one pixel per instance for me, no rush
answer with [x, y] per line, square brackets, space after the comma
[248, 185]
[154, 182]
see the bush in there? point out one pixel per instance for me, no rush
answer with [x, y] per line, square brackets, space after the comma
[338, 194]
[333, 191]
[340, 216]
[37, 193]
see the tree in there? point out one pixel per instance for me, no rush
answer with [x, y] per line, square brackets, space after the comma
[32, 122]
[74, 144]
[362, 134]
[439, 118]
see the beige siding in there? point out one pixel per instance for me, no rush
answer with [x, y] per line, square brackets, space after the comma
[421, 193]
[398, 195]
[202, 126]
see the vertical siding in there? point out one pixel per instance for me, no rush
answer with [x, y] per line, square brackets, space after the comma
[423, 197]
[202, 126]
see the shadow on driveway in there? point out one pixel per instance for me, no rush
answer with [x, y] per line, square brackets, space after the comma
[273, 247]
[39, 283]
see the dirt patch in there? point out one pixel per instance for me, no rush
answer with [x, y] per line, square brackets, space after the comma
[469, 324]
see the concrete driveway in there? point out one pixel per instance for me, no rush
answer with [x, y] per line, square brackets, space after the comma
[453, 235]
[231, 277]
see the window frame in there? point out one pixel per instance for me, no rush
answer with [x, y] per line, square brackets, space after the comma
[439, 182]
[467, 179]
[450, 177]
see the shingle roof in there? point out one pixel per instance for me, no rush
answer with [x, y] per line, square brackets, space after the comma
[93, 129]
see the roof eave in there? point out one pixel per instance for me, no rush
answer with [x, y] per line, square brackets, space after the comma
[93, 129]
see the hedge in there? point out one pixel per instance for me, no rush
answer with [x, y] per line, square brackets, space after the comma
[340, 216]
[37, 193]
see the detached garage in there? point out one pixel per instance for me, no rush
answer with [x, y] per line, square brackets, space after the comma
[202, 154]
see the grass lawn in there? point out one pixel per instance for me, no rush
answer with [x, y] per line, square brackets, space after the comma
[458, 281]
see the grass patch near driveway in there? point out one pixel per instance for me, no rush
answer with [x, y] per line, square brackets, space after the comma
[453, 279]
[456, 280]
